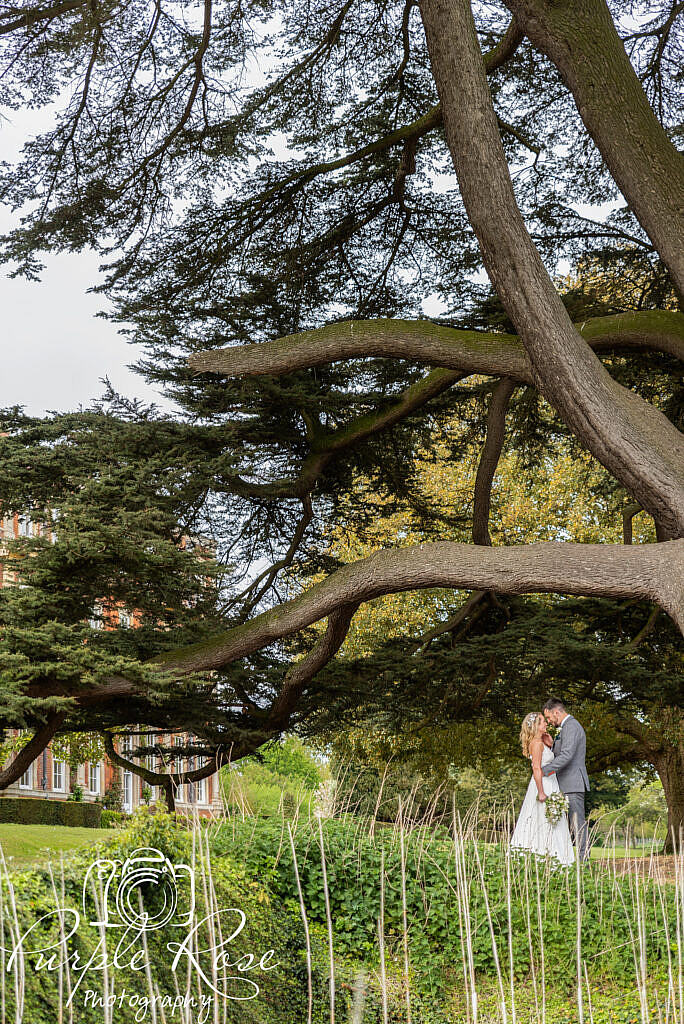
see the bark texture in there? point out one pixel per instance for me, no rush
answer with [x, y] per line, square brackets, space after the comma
[670, 767]
[580, 38]
[27, 755]
[302, 672]
[635, 442]
[424, 342]
[651, 571]
[489, 460]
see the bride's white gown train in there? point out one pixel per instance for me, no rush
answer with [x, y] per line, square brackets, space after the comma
[533, 833]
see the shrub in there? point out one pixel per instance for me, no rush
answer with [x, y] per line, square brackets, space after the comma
[21, 810]
[283, 995]
[609, 915]
[290, 758]
[113, 819]
[113, 797]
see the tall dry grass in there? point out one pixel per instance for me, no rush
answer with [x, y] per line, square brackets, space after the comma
[476, 837]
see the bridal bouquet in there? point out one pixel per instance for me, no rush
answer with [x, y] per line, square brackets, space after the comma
[555, 806]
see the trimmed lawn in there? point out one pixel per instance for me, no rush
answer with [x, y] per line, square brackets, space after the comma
[28, 844]
[608, 852]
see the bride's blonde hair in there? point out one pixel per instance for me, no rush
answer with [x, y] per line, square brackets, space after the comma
[528, 731]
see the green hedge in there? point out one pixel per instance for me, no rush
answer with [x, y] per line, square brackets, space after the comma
[32, 811]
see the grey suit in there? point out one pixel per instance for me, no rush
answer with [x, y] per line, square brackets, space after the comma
[569, 754]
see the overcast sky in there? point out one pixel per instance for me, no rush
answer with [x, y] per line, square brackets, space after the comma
[54, 349]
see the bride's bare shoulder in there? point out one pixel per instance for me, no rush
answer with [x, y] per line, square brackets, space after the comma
[536, 747]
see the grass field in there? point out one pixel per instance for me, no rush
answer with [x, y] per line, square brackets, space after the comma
[30, 844]
[601, 853]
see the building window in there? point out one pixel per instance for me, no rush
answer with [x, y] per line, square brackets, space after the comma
[128, 791]
[94, 778]
[58, 775]
[151, 759]
[95, 621]
[124, 618]
[26, 781]
[201, 791]
[24, 526]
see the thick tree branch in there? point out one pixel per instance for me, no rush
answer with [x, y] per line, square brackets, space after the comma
[327, 444]
[28, 753]
[489, 460]
[648, 740]
[30, 17]
[651, 571]
[435, 345]
[168, 781]
[506, 47]
[116, 688]
[630, 437]
[582, 41]
[303, 671]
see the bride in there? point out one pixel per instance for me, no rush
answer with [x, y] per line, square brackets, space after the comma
[533, 832]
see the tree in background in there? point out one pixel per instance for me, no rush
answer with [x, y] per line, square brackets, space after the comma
[488, 660]
[102, 539]
[289, 758]
[452, 765]
[280, 303]
[641, 816]
[281, 776]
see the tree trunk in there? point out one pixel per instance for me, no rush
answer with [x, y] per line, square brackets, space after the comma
[28, 753]
[169, 796]
[670, 767]
[633, 440]
[581, 40]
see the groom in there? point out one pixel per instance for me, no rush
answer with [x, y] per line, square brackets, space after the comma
[569, 752]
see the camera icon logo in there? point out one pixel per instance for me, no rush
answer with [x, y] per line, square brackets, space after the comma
[140, 892]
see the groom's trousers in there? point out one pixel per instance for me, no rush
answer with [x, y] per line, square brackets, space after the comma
[578, 823]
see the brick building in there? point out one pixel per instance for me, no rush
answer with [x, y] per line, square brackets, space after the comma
[49, 778]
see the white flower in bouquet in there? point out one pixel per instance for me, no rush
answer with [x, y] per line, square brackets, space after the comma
[555, 806]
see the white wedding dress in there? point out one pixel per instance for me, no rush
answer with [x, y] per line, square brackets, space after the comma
[533, 832]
